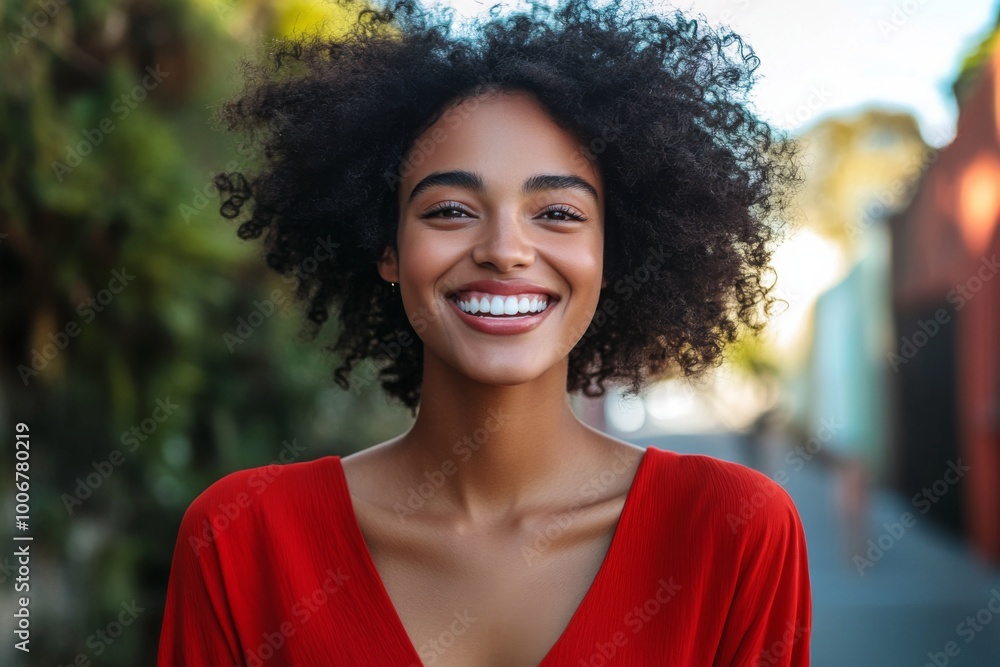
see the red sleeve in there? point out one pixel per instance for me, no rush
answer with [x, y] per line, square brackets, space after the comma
[198, 628]
[770, 618]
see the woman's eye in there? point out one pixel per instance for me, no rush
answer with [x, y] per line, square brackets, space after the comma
[564, 211]
[434, 212]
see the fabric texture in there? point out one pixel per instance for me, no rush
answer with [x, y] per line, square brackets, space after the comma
[707, 566]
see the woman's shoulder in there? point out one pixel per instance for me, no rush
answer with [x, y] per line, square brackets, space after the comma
[257, 490]
[275, 476]
[742, 499]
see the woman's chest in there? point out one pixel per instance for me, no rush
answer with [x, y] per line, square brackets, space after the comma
[489, 601]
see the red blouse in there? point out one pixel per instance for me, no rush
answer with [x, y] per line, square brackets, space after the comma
[707, 566]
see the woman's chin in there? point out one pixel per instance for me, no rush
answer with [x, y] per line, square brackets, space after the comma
[502, 374]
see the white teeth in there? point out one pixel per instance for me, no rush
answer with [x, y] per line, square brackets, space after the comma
[498, 306]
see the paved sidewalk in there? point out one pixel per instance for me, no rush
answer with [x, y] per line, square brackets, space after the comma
[904, 609]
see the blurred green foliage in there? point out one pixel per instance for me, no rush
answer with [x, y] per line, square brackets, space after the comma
[974, 63]
[120, 282]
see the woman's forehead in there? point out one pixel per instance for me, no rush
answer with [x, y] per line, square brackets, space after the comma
[505, 139]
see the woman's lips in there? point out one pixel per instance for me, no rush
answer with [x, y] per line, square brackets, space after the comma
[502, 304]
[503, 325]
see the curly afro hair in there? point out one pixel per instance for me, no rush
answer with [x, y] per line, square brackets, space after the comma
[691, 174]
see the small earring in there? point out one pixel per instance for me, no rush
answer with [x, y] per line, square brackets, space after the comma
[392, 287]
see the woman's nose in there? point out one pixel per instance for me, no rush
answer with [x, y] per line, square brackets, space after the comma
[504, 243]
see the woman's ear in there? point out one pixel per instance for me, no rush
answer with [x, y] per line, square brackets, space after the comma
[388, 265]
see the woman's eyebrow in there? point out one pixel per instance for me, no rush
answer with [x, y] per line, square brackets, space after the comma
[473, 181]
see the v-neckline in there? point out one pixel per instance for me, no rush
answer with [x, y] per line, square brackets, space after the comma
[354, 527]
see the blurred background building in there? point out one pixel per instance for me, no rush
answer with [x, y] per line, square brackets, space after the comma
[946, 311]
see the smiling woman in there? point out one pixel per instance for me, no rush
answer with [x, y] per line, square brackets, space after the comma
[577, 198]
[523, 228]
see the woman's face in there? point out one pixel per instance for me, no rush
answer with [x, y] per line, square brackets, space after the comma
[497, 192]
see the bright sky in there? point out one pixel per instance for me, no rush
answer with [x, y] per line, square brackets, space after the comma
[844, 55]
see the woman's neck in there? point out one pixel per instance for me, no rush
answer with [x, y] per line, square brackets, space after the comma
[488, 451]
